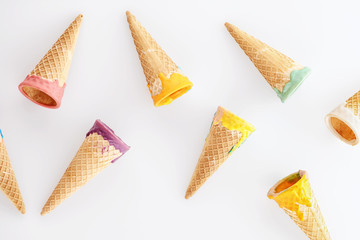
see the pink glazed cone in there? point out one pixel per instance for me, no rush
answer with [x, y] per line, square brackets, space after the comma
[46, 83]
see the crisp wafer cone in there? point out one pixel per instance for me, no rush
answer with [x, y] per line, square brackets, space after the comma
[226, 134]
[295, 196]
[282, 73]
[165, 80]
[8, 183]
[95, 154]
[46, 83]
[344, 121]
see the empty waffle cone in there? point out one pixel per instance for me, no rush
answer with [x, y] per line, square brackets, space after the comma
[46, 83]
[99, 150]
[282, 73]
[8, 183]
[295, 196]
[165, 80]
[226, 134]
[344, 121]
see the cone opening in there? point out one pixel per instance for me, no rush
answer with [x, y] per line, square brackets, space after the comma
[286, 183]
[174, 95]
[39, 96]
[343, 130]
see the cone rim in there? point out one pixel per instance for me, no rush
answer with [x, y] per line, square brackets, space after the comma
[108, 134]
[272, 193]
[343, 119]
[49, 88]
[176, 92]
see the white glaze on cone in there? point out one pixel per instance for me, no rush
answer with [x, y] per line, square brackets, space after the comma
[349, 118]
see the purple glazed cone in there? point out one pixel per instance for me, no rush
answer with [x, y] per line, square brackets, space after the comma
[100, 148]
[108, 134]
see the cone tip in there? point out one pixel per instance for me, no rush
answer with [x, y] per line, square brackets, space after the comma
[188, 194]
[23, 210]
[229, 26]
[79, 18]
[128, 14]
[43, 212]
[130, 17]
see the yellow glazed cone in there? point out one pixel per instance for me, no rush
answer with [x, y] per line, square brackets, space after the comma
[226, 134]
[295, 196]
[282, 73]
[99, 150]
[165, 80]
[46, 83]
[344, 121]
[8, 183]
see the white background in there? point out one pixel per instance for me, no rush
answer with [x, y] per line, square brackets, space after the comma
[142, 195]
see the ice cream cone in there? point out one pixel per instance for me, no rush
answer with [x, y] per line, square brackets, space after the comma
[344, 121]
[45, 85]
[282, 73]
[99, 150]
[226, 134]
[165, 80]
[295, 196]
[8, 183]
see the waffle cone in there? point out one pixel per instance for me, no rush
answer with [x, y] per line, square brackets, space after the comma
[46, 82]
[344, 121]
[154, 62]
[94, 155]
[219, 144]
[56, 63]
[353, 103]
[272, 64]
[8, 183]
[299, 202]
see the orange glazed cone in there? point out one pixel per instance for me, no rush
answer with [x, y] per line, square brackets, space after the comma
[8, 183]
[165, 80]
[226, 134]
[282, 73]
[46, 83]
[99, 150]
[295, 196]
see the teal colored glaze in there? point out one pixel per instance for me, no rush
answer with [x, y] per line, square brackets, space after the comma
[296, 79]
[1, 134]
[231, 150]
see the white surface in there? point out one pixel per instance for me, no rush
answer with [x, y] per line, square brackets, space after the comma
[142, 195]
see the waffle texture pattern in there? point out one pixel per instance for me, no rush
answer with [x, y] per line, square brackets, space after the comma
[94, 155]
[56, 63]
[8, 183]
[272, 64]
[219, 145]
